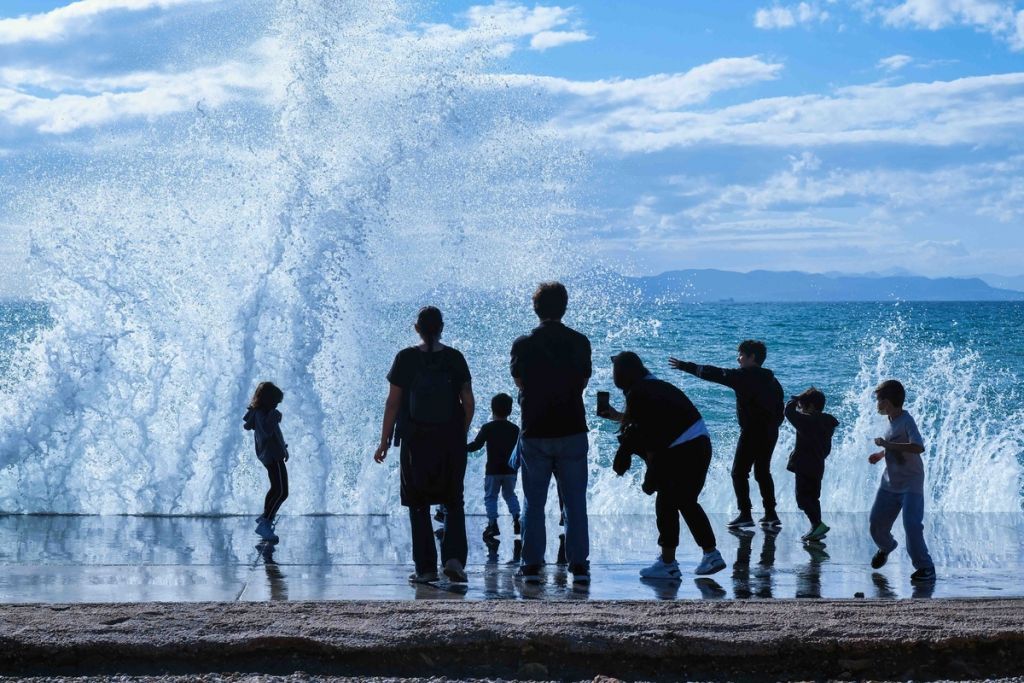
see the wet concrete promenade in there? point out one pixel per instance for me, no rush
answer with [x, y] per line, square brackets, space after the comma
[187, 559]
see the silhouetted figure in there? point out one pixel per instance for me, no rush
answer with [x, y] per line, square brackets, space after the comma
[662, 426]
[551, 366]
[500, 436]
[429, 409]
[759, 411]
[902, 485]
[814, 430]
[263, 419]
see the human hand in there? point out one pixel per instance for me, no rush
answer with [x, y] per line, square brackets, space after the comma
[676, 363]
[875, 457]
[882, 443]
[382, 451]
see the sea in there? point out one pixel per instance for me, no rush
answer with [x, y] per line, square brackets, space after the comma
[116, 437]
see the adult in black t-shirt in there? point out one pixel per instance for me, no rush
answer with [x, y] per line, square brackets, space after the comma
[666, 429]
[759, 410]
[551, 366]
[429, 409]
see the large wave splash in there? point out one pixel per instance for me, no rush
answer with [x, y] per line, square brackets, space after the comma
[269, 241]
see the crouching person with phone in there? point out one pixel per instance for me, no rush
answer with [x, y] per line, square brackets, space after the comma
[662, 426]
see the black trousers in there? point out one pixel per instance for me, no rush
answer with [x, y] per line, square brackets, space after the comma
[679, 476]
[453, 542]
[754, 450]
[278, 474]
[808, 495]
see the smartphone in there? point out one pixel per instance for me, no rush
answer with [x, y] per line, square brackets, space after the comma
[603, 402]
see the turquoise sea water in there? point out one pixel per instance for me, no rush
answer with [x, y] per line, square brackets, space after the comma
[961, 362]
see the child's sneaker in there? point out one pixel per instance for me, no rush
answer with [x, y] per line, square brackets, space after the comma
[491, 531]
[264, 531]
[925, 575]
[880, 558]
[817, 533]
[743, 520]
[454, 571]
[711, 562]
[666, 571]
[517, 527]
[770, 520]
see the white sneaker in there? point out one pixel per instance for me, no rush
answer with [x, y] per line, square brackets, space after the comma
[711, 562]
[666, 571]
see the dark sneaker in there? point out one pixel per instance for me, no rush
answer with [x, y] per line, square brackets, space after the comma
[517, 527]
[770, 520]
[561, 559]
[880, 558]
[742, 521]
[710, 563]
[580, 573]
[439, 515]
[530, 573]
[817, 533]
[425, 577]
[491, 531]
[925, 575]
[454, 571]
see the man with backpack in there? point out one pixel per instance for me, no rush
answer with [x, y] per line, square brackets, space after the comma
[552, 366]
[760, 412]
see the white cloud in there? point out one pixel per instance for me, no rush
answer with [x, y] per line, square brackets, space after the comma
[895, 62]
[59, 23]
[781, 16]
[101, 101]
[660, 92]
[1000, 18]
[976, 110]
[548, 39]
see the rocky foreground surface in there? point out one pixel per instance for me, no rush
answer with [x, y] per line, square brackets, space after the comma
[735, 640]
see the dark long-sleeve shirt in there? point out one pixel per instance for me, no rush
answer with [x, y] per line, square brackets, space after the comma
[661, 412]
[759, 396]
[813, 440]
[266, 427]
[500, 437]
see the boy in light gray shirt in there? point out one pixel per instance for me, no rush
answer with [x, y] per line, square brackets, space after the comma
[902, 485]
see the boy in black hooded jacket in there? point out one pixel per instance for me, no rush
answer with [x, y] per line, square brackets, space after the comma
[814, 430]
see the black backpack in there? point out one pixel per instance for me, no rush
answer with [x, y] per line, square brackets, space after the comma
[432, 392]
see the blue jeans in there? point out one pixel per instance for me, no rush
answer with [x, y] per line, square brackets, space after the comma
[887, 507]
[505, 484]
[565, 458]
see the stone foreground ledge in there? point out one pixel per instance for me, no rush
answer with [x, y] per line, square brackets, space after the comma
[788, 640]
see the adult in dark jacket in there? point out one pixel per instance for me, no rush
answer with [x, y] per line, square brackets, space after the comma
[759, 410]
[663, 426]
[429, 409]
[814, 430]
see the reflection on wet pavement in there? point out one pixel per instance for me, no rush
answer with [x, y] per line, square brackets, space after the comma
[101, 559]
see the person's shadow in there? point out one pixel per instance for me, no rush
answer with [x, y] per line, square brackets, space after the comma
[808, 579]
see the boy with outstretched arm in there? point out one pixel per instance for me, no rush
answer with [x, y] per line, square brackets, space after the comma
[902, 485]
[500, 436]
[814, 430]
[759, 411]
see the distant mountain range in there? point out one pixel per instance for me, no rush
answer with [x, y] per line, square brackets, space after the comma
[766, 286]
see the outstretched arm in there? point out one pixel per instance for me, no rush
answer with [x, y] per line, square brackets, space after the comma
[706, 372]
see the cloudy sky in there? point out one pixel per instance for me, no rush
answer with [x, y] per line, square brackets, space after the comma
[836, 135]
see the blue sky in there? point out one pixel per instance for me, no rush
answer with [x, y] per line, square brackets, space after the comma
[843, 135]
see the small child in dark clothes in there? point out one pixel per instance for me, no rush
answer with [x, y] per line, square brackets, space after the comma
[263, 419]
[500, 436]
[814, 430]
